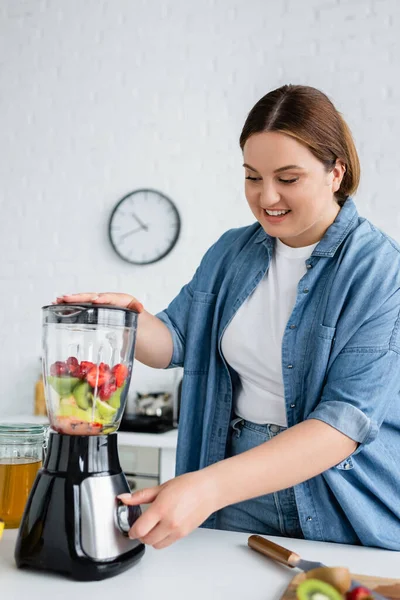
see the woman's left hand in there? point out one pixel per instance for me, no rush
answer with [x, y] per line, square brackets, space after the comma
[177, 507]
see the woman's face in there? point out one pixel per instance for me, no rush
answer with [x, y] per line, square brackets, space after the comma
[283, 176]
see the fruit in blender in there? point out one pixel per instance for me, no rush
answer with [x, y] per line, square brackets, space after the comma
[104, 411]
[72, 410]
[58, 369]
[63, 385]
[314, 589]
[97, 376]
[73, 366]
[89, 396]
[82, 394]
[84, 368]
[120, 373]
[72, 426]
[106, 390]
[115, 399]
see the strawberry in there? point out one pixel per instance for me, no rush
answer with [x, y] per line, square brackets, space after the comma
[95, 427]
[73, 366]
[97, 376]
[58, 369]
[106, 390]
[120, 373]
[84, 368]
[359, 593]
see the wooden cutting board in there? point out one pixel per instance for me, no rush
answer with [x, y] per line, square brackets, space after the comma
[377, 584]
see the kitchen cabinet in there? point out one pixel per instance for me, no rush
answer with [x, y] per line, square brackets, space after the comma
[146, 466]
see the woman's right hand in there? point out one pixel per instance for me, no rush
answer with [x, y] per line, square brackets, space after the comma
[111, 298]
[154, 346]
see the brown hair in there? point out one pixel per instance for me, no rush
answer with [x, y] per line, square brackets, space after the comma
[308, 115]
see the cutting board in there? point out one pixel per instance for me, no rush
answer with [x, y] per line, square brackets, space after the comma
[374, 583]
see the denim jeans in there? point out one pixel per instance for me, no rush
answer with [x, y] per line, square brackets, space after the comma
[271, 514]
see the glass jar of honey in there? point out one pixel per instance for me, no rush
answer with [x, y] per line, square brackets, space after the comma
[21, 454]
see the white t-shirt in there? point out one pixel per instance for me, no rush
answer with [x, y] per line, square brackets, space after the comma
[252, 342]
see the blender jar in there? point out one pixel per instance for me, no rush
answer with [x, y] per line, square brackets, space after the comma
[87, 362]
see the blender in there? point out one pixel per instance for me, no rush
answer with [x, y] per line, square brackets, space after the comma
[73, 522]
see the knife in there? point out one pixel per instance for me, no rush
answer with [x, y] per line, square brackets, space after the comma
[293, 560]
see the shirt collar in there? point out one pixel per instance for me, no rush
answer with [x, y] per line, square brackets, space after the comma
[334, 235]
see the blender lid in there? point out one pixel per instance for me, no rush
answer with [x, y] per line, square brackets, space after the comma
[90, 314]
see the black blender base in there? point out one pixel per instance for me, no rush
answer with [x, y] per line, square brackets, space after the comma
[86, 570]
[60, 518]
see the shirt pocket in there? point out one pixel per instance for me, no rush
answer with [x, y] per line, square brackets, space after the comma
[199, 333]
[318, 360]
[326, 340]
[327, 333]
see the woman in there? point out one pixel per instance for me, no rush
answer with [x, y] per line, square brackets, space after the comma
[289, 335]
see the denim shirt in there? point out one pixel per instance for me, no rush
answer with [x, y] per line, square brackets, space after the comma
[340, 363]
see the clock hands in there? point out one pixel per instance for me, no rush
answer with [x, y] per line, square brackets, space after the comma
[124, 235]
[142, 225]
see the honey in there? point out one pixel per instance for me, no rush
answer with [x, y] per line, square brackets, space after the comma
[16, 480]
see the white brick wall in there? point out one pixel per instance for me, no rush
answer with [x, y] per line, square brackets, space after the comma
[101, 97]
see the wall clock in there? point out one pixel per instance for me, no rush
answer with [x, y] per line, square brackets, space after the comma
[144, 226]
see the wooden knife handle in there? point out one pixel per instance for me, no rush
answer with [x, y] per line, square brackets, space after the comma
[274, 551]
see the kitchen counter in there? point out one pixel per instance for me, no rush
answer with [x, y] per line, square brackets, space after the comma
[205, 565]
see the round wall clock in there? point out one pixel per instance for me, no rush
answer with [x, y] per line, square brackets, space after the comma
[144, 226]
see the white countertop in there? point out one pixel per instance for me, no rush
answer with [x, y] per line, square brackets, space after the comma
[206, 565]
[125, 438]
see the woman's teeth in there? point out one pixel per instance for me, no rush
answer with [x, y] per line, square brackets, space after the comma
[276, 213]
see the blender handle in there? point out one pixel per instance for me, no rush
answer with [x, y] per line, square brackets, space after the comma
[126, 516]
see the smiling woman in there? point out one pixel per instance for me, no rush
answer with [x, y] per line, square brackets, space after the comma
[289, 337]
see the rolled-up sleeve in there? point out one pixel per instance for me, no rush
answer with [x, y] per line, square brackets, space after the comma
[361, 386]
[175, 317]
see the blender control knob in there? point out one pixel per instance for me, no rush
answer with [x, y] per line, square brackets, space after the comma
[126, 516]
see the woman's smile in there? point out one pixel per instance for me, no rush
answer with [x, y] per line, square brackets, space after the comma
[276, 216]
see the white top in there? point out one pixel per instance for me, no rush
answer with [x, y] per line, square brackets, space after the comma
[252, 342]
[206, 564]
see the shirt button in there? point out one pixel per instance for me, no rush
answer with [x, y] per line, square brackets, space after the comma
[292, 326]
[309, 266]
[290, 366]
[306, 290]
[347, 466]
[309, 519]
[292, 406]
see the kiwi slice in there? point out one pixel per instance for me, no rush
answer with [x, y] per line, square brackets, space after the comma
[63, 385]
[338, 577]
[105, 411]
[69, 410]
[82, 395]
[314, 589]
[115, 399]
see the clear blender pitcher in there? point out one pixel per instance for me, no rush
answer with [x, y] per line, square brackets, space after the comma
[88, 355]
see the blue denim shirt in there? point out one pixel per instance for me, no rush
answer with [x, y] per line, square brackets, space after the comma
[340, 360]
